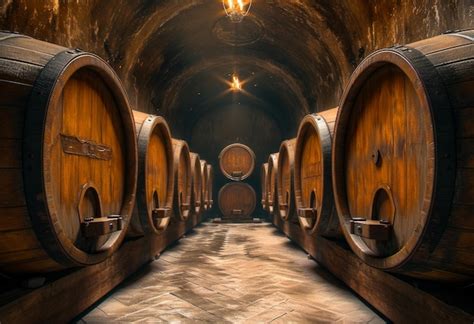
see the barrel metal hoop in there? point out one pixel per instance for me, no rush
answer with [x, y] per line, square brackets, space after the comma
[32, 149]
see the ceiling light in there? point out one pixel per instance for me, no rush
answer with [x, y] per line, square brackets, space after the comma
[236, 10]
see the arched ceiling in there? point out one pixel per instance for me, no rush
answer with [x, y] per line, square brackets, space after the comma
[174, 56]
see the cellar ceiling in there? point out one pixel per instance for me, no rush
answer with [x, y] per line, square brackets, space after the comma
[176, 57]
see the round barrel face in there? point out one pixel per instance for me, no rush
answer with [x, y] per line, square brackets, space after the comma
[197, 182]
[386, 159]
[264, 183]
[237, 161]
[85, 148]
[210, 180]
[284, 183]
[272, 176]
[158, 168]
[183, 182]
[309, 171]
[237, 200]
[204, 184]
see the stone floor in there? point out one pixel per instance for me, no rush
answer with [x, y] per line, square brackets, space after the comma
[232, 273]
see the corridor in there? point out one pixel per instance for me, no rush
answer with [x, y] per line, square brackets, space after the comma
[232, 273]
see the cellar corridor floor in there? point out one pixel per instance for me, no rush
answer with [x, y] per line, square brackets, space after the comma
[232, 273]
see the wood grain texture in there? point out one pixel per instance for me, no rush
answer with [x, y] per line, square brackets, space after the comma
[209, 187]
[313, 185]
[401, 154]
[272, 184]
[155, 175]
[285, 181]
[183, 180]
[196, 193]
[68, 124]
[204, 200]
[237, 161]
[264, 184]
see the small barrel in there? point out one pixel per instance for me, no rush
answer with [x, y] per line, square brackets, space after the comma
[196, 193]
[182, 180]
[313, 187]
[209, 188]
[285, 180]
[264, 184]
[237, 161]
[403, 161]
[68, 162]
[272, 206]
[237, 200]
[204, 185]
[155, 189]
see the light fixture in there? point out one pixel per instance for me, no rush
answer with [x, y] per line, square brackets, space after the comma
[236, 10]
[235, 85]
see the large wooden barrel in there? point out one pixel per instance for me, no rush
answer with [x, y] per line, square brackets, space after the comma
[313, 186]
[183, 180]
[272, 199]
[237, 201]
[264, 184]
[196, 193]
[403, 162]
[155, 189]
[66, 123]
[285, 180]
[209, 188]
[237, 161]
[204, 185]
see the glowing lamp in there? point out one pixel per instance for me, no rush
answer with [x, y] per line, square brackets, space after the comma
[236, 10]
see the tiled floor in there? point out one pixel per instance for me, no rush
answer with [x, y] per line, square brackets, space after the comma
[232, 273]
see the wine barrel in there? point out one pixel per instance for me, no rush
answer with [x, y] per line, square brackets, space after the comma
[209, 188]
[403, 167]
[155, 189]
[66, 122]
[272, 199]
[204, 185]
[313, 187]
[285, 180]
[264, 184]
[196, 193]
[237, 200]
[182, 180]
[237, 161]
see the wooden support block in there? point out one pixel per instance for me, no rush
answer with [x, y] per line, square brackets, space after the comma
[101, 226]
[308, 213]
[159, 213]
[237, 174]
[371, 229]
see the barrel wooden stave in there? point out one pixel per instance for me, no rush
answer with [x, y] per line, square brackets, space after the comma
[272, 199]
[237, 201]
[204, 185]
[196, 193]
[285, 181]
[49, 212]
[433, 235]
[155, 175]
[237, 161]
[314, 198]
[209, 187]
[183, 180]
[264, 184]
